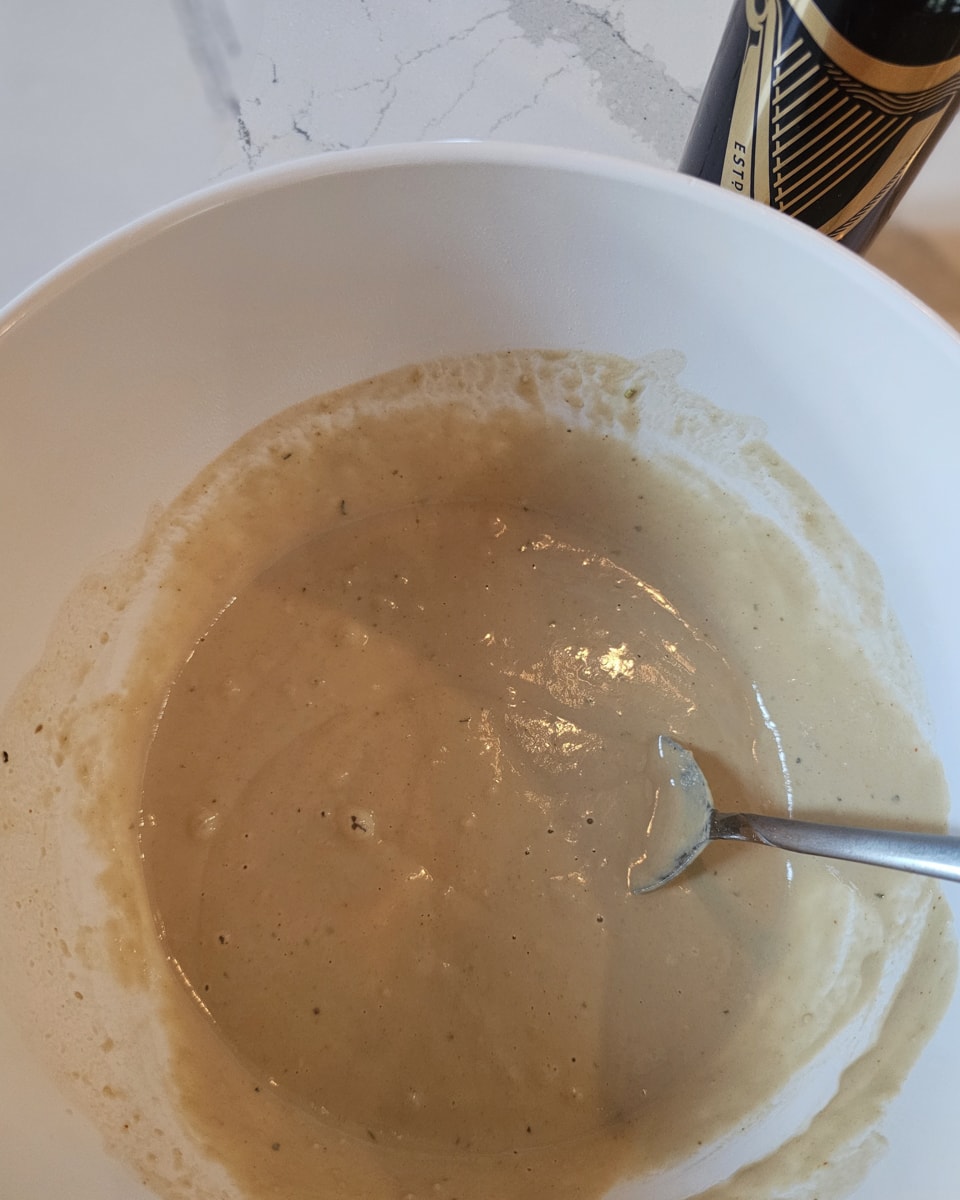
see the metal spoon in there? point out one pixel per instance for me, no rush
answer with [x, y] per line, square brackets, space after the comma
[684, 821]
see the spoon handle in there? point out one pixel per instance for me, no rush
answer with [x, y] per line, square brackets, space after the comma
[923, 853]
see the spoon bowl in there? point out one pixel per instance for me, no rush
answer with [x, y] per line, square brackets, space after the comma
[684, 821]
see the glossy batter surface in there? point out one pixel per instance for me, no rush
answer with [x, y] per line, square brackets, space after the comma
[392, 806]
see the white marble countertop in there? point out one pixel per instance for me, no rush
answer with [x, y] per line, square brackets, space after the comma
[114, 107]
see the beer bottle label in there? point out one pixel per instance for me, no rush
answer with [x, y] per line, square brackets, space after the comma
[821, 128]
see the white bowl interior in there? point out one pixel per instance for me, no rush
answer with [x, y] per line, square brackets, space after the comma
[126, 373]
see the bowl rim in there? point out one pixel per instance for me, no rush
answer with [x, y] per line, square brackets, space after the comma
[728, 206]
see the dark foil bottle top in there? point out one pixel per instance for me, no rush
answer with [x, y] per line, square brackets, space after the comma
[825, 109]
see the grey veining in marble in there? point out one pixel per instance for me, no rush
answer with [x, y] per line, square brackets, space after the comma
[553, 71]
[114, 107]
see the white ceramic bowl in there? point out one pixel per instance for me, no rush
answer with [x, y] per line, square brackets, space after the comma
[125, 372]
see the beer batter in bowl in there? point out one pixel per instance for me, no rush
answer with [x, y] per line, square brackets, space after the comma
[406, 652]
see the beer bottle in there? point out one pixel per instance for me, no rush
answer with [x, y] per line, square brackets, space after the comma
[826, 109]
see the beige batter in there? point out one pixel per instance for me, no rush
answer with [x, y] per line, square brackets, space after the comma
[406, 666]
[399, 765]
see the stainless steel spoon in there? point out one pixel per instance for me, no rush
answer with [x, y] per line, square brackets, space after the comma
[684, 821]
